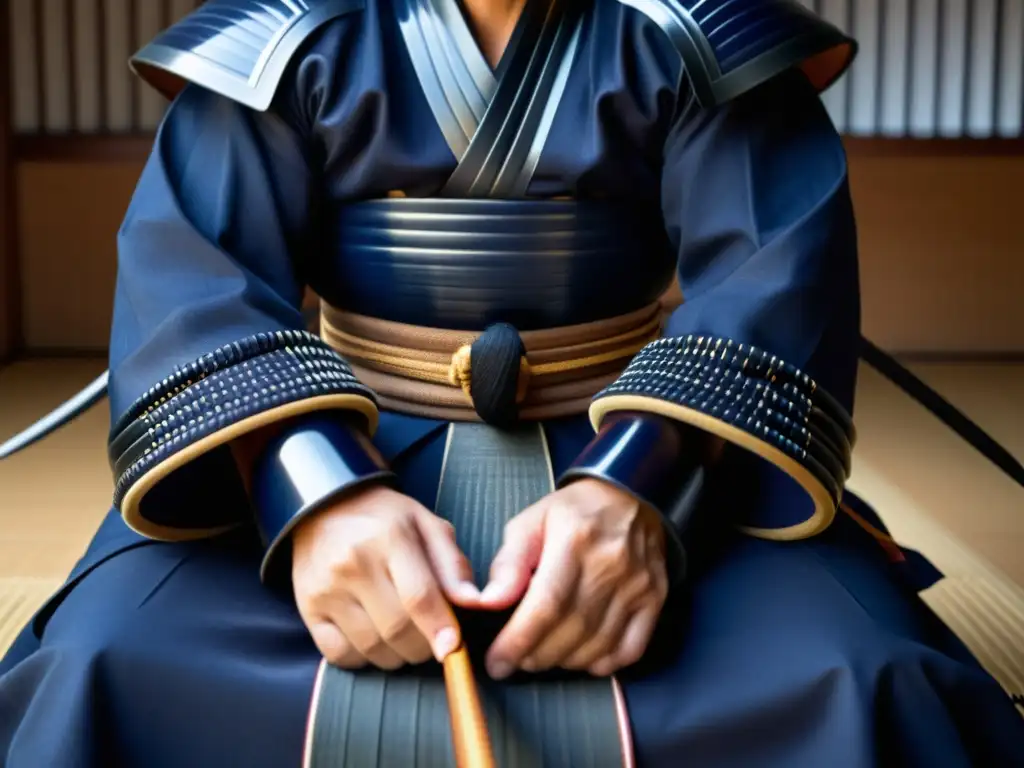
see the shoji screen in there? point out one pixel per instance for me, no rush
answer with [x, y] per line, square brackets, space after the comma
[70, 68]
[927, 68]
[930, 68]
[939, 227]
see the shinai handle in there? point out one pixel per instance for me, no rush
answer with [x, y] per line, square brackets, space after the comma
[470, 740]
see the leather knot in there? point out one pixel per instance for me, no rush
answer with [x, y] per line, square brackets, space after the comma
[494, 374]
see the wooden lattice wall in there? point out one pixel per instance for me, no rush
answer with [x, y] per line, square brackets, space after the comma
[927, 68]
[937, 84]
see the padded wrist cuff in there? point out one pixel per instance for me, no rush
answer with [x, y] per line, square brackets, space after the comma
[312, 463]
[655, 460]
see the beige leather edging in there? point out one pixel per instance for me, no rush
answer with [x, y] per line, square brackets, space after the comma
[131, 505]
[824, 507]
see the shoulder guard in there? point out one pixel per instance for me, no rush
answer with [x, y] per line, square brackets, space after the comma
[731, 46]
[239, 49]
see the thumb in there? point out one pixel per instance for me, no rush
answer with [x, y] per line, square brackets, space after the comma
[513, 566]
[450, 565]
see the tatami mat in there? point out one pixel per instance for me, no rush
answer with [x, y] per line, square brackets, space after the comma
[990, 621]
[19, 600]
[53, 496]
[916, 472]
[939, 496]
[934, 492]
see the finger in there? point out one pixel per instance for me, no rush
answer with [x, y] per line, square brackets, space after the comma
[644, 590]
[393, 623]
[514, 563]
[334, 647]
[633, 645]
[582, 623]
[565, 638]
[378, 597]
[604, 641]
[421, 600]
[361, 632]
[543, 607]
[600, 591]
[449, 564]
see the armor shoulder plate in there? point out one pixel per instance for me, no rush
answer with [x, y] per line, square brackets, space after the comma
[236, 48]
[731, 46]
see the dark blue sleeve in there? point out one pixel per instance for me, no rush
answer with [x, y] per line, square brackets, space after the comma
[210, 248]
[756, 201]
[207, 342]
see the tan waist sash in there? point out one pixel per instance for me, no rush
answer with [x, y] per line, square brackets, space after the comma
[428, 371]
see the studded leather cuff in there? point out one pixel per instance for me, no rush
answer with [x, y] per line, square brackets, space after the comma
[756, 402]
[314, 462]
[173, 471]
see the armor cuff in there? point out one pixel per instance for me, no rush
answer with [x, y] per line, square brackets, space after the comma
[754, 401]
[314, 462]
[175, 479]
[657, 461]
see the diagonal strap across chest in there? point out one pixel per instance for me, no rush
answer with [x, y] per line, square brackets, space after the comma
[495, 122]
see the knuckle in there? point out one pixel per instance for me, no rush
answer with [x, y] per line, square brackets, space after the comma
[366, 641]
[387, 660]
[574, 663]
[629, 656]
[308, 594]
[615, 562]
[541, 661]
[333, 651]
[601, 585]
[591, 622]
[445, 527]
[396, 629]
[516, 647]
[310, 585]
[559, 509]
[421, 602]
[397, 526]
[577, 538]
[333, 646]
[653, 604]
[640, 589]
[643, 583]
[549, 609]
[419, 654]
[583, 534]
[375, 648]
[582, 625]
[314, 593]
[630, 653]
[346, 657]
[333, 655]
[350, 563]
[660, 591]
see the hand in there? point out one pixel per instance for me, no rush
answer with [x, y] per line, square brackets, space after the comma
[599, 586]
[373, 576]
